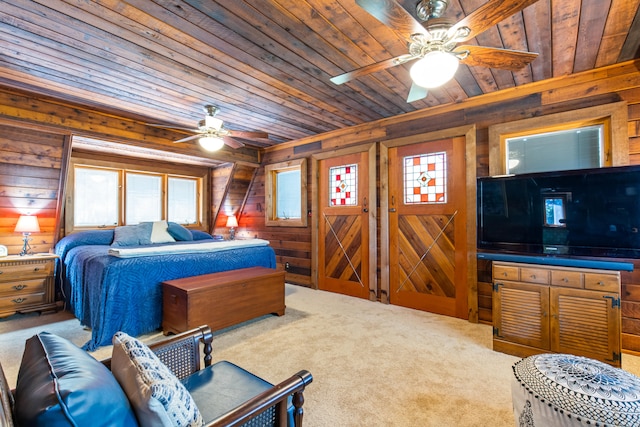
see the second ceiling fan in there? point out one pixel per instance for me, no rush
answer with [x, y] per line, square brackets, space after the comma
[434, 43]
[212, 136]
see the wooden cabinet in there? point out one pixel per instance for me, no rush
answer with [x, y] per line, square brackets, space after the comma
[27, 284]
[540, 309]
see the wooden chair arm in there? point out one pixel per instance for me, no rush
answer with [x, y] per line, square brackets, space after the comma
[276, 396]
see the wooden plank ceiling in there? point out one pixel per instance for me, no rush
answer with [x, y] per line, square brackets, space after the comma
[267, 63]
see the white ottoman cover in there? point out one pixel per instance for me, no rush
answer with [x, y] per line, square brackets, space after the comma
[568, 390]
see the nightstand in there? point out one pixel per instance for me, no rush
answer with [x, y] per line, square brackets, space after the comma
[27, 284]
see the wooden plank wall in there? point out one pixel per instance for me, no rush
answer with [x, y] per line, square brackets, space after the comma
[600, 87]
[35, 157]
[31, 162]
[292, 244]
[230, 193]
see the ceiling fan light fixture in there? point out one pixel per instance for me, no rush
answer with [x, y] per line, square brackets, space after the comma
[211, 143]
[435, 69]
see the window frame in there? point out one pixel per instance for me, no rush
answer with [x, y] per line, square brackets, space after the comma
[271, 171]
[201, 176]
[613, 118]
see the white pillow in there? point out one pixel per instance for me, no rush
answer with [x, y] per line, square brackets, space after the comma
[157, 396]
[159, 233]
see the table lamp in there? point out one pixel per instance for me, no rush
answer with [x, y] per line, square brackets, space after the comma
[26, 225]
[232, 223]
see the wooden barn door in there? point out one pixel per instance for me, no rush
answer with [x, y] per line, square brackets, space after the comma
[344, 225]
[427, 227]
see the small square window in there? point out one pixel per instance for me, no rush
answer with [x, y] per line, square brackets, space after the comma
[286, 187]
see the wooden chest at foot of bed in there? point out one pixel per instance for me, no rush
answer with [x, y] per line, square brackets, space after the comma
[221, 299]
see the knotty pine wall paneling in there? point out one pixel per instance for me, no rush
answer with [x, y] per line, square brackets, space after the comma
[568, 93]
[620, 82]
[31, 161]
[230, 193]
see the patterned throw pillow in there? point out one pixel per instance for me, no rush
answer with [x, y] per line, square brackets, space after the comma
[156, 395]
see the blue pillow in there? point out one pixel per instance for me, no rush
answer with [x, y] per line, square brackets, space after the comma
[88, 237]
[132, 235]
[201, 235]
[179, 232]
[58, 381]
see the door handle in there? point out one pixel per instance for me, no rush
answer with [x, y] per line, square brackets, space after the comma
[393, 203]
[365, 209]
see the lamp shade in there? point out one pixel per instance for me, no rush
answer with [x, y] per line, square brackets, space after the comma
[232, 221]
[435, 69]
[27, 224]
[211, 143]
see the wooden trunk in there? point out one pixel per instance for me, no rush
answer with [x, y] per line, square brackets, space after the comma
[221, 299]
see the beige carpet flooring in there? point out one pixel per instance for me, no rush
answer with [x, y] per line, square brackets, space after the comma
[372, 364]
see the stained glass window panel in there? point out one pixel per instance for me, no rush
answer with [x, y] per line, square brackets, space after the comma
[343, 183]
[425, 178]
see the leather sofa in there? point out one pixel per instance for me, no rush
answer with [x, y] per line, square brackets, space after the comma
[60, 384]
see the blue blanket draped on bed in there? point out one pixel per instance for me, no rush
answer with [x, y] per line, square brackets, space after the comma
[111, 294]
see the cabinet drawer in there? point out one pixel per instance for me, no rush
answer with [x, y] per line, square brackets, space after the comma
[534, 275]
[31, 270]
[602, 282]
[568, 279]
[23, 287]
[505, 272]
[17, 302]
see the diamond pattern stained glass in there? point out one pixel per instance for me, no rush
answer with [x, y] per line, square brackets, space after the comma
[343, 182]
[425, 178]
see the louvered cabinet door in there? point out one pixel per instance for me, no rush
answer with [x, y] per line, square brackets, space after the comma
[521, 314]
[586, 323]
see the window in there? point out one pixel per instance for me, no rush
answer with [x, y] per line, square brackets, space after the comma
[98, 202]
[578, 148]
[183, 200]
[343, 185]
[286, 188]
[107, 197]
[578, 139]
[425, 179]
[143, 198]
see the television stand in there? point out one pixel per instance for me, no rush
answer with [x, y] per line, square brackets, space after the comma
[545, 308]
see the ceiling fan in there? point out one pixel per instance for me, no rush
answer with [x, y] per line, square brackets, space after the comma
[434, 42]
[212, 135]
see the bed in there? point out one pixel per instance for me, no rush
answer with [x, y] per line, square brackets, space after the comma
[111, 287]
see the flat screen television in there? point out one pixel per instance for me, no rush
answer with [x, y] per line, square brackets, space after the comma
[584, 213]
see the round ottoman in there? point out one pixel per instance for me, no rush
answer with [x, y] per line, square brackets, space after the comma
[567, 390]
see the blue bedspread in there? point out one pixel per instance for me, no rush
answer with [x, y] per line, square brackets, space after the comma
[110, 294]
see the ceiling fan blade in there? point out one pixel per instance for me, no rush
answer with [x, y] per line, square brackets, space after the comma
[249, 135]
[232, 142]
[505, 59]
[488, 15]
[171, 127]
[378, 66]
[189, 138]
[416, 93]
[392, 15]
